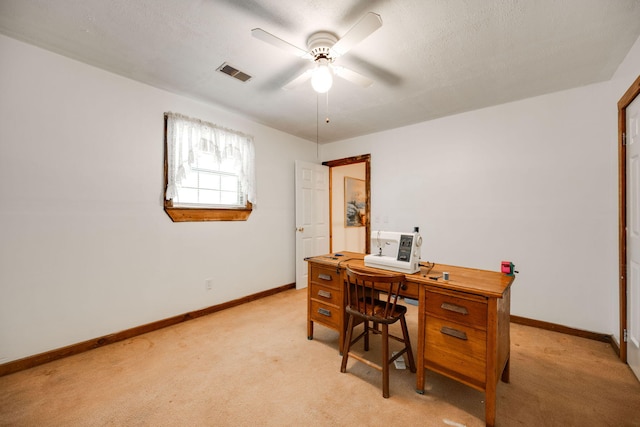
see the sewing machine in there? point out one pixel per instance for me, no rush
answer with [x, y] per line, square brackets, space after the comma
[395, 251]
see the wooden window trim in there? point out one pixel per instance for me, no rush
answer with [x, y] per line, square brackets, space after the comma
[180, 214]
[184, 214]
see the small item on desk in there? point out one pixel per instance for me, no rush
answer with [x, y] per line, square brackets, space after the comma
[445, 276]
[434, 277]
[339, 254]
[428, 266]
[507, 268]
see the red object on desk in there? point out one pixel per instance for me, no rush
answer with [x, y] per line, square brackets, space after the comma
[507, 267]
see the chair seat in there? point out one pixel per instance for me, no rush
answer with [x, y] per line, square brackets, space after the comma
[375, 311]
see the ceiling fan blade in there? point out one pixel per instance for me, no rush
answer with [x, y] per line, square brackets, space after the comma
[363, 29]
[261, 34]
[299, 79]
[352, 76]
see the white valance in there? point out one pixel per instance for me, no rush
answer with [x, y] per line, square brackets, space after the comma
[186, 135]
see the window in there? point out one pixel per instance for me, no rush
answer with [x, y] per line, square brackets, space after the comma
[211, 188]
[209, 171]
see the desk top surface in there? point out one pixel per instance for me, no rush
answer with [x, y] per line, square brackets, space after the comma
[487, 283]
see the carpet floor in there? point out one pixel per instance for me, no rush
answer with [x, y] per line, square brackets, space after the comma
[252, 365]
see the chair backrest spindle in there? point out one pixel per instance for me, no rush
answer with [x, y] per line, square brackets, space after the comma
[365, 291]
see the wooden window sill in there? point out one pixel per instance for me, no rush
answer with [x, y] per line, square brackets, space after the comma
[201, 215]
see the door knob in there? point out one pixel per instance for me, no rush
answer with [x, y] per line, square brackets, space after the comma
[300, 229]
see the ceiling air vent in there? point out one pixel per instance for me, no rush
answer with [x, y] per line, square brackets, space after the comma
[234, 72]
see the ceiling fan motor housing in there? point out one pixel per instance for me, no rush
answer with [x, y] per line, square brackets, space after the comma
[320, 44]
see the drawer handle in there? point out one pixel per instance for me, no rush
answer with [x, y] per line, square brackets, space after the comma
[324, 294]
[324, 312]
[324, 277]
[454, 308]
[454, 333]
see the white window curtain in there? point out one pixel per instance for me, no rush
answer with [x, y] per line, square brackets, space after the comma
[185, 135]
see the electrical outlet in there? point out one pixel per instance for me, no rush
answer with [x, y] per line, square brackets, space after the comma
[208, 284]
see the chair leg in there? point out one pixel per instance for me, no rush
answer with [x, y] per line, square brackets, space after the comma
[385, 360]
[346, 346]
[407, 343]
[366, 335]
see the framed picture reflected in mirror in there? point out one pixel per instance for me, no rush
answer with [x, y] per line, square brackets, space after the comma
[355, 202]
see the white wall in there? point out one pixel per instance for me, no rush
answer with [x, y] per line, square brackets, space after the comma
[86, 248]
[345, 238]
[533, 182]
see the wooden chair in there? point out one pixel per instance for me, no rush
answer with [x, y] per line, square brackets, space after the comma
[372, 298]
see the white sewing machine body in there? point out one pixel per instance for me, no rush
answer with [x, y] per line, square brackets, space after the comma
[395, 251]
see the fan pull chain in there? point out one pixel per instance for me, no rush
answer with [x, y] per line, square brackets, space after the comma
[327, 118]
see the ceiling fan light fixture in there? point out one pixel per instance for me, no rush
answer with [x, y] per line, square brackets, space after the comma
[322, 77]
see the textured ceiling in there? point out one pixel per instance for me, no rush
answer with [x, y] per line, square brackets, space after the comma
[431, 58]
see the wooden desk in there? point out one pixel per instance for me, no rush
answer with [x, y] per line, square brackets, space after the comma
[463, 324]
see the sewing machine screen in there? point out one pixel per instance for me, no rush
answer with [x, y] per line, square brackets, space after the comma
[404, 251]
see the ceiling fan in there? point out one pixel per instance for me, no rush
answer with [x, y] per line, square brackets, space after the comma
[323, 48]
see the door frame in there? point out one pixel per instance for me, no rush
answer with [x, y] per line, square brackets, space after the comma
[628, 97]
[366, 159]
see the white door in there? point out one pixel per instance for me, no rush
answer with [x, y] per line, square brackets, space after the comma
[633, 236]
[312, 215]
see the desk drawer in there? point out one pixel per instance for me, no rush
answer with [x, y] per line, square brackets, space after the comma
[325, 276]
[456, 350]
[327, 314]
[412, 290]
[468, 310]
[327, 294]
